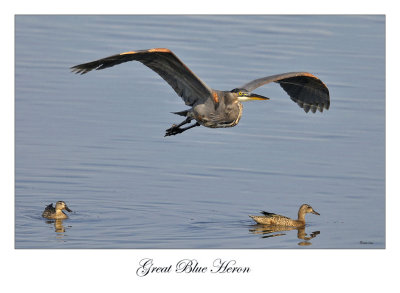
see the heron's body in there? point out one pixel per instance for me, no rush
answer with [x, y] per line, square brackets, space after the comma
[209, 107]
[279, 220]
[56, 213]
[226, 114]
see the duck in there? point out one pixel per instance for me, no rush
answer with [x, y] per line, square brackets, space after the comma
[56, 213]
[279, 220]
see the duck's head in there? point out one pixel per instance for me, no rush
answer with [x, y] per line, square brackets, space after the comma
[60, 205]
[308, 209]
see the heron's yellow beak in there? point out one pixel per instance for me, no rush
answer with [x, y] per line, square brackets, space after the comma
[257, 97]
[250, 97]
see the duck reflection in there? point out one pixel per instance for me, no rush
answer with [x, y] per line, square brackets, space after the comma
[275, 231]
[58, 225]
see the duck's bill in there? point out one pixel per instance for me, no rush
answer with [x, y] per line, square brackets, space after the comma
[67, 209]
[315, 213]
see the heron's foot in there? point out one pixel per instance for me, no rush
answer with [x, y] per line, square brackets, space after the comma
[174, 130]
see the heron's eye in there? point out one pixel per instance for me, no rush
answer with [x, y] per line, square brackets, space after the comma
[240, 94]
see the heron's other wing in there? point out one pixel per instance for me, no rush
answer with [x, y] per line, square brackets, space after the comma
[305, 89]
[164, 62]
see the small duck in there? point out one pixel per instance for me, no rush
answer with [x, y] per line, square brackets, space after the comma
[56, 213]
[278, 220]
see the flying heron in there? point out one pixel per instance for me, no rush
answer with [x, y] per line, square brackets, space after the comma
[209, 107]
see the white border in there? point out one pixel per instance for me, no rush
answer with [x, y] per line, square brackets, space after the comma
[272, 270]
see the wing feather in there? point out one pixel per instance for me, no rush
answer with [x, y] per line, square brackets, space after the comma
[165, 63]
[305, 89]
[272, 215]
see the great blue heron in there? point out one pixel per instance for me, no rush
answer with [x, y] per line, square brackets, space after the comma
[209, 107]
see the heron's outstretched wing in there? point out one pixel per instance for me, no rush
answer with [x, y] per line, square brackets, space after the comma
[163, 61]
[305, 89]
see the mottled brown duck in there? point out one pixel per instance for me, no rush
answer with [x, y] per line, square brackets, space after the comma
[56, 213]
[279, 220]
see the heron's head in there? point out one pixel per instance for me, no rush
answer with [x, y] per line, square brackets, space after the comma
[243, 95]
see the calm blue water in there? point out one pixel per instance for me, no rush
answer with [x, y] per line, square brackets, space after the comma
[97, 141]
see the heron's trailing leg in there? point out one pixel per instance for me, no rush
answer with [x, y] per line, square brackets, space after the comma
[175, 129]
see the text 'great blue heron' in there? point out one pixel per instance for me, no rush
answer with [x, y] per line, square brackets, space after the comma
[209, 107]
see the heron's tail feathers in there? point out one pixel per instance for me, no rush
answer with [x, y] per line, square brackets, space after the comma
[181, 113]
